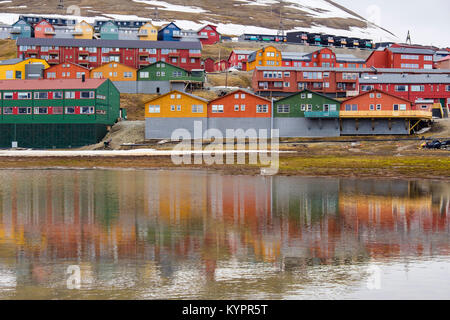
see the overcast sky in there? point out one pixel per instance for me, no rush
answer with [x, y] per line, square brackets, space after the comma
[428, 20]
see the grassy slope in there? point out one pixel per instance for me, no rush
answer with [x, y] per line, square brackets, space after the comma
[7, 49]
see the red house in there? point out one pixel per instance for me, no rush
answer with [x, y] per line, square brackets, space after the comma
[240, 104]
[92, 53]
[221, 65]
[66, 70]
[44, 30]
[208, 34]
[402, 57]
[238, 59]
[209, 65]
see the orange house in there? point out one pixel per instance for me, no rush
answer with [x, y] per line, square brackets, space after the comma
[66, 70]
[114, 71]
[380, 104]
[240, 104]
[265, 57]
[44, 30]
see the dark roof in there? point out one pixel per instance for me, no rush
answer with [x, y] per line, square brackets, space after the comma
[309, 91]
[132, 44]
[11, 61]
[411, 50]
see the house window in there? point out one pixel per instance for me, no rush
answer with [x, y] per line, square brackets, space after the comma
[372, 107]
[8, 96]
[309, 95]
[236, 107]
[378, 95]
[178, 108]
[236, 96]
[24, 110]
[144, 75]
[24, 96]
[41, 110]
[57, 95]
[217, 108]
[242, 107]
[127, 74]
[87, 95]
[8, 110]
[57, 110]
[309, 107]
[70, 110]
[197, 108]
[261, 108]
[401, 88]
[303, 96]
[284, 108]
[419, 88]
[154, 109]
[372, 96]
[303, 107]
[9, 74]
[41, 95]
[87, 110]
[378, 106]
[70, 95]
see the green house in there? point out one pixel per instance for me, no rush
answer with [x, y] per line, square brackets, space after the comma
[57, 113]
[109, 31]
[163, 71]
[307, 104]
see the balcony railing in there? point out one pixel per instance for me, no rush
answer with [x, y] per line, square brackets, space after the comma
[322, 114]
[387, 114]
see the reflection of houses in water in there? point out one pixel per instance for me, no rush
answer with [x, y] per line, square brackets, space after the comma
[175, 218]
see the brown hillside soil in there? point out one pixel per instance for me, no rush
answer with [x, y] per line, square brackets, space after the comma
[7, 49]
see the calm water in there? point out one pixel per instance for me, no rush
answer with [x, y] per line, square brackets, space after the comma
[199, 235]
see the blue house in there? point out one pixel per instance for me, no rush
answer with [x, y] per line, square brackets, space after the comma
[170, 32]
[21, 29]
[109, 31]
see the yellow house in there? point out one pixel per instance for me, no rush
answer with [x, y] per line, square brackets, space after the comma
[114, 71]
[265, 57]
[15, 68]
[83, 30]
[176, 104]
[148, 32]
[175, 115]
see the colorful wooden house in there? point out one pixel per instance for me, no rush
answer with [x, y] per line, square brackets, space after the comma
[209, 35]
[22, 69]
[83, 30]
[265, 57]
[307, 114]
[44, 29]
[148, 32]
[209, 65]
[57, 113]
[240, 109]
[162, 77]
[114, 71]
[170, 32]
[109, 31]
[378, 112]
[238, 59]
[66, 70]
[21, 29]
[172, 111]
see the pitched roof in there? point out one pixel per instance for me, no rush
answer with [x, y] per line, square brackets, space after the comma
[10, 61]
[376, 90]
[176, 91]
[67, 62]
[132, 44]
[50, 84]
[309, 91]
[243, 90]
[405, 78]
[172, 65]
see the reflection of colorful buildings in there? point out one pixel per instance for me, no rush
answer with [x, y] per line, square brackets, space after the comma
[178, 220]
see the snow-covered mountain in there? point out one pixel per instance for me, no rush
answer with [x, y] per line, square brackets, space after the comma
[233, 17]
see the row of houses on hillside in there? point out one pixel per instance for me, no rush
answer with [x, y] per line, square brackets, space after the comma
[29, 27]
[94, 53]
[396, 56]
[303, 114]
[156, 78]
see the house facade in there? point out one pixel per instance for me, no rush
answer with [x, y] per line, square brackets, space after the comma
[173, 111]
[109, 31]
[93, 53]
[402, 57]
[21, 29]
[265, 57]
[238, 59]
[57, 114]
[66, 70]
[148, 32]
[114, 71]
[209, 35]
[83, 30]
[170, 32]
[44, 29]
[16, 69]
[379, 113]
[240, 109]
[307, 114]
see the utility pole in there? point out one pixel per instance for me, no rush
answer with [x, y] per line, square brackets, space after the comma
[60, 5]
[281, 32]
